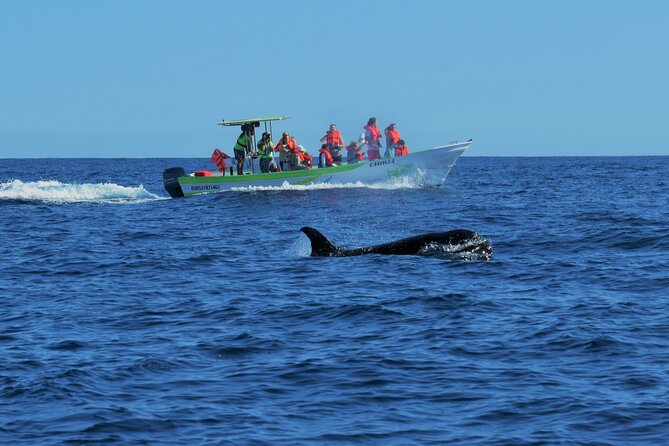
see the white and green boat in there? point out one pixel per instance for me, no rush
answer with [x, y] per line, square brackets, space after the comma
[427, 167]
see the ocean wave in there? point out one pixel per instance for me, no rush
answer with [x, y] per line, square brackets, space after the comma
[52, 191]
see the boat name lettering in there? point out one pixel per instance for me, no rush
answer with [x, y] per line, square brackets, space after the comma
[381, 163]
[207, 187]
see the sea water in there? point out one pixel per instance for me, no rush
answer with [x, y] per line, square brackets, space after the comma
[127, 317]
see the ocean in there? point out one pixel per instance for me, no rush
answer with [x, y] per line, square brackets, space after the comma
[127, 317]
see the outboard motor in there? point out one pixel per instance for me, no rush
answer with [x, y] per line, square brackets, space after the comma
[171, 182]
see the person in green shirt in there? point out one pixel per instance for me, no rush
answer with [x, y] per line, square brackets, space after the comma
[266, 154]
[243, 146]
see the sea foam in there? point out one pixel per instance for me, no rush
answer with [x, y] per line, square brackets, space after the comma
[53, 191]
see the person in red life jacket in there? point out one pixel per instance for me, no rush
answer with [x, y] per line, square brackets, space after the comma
[219, 157]
[305, 161]
[354, 154]
[324, 157]
[373, 139]
[335, 143]
[285, 147]
[401, 149]
[392, 136]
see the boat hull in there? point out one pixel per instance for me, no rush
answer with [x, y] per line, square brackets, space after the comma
[428, 167]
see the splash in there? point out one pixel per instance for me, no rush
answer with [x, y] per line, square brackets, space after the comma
[56, 192]
[477, 248]
[393, 184]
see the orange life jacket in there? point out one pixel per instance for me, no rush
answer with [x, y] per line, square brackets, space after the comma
[401, 151]
[328, 158]
[306, 158]
[376, 133]
[333, 138]
[356, 152]
[291, 145]
[218, 157]
[392, 136]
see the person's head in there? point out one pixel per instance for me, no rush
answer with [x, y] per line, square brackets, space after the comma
[392, 126]
[354, 144]
[372, 121]
[324, 146]
[400, 143]
[285, 136]
[265, 135]
[333, 127]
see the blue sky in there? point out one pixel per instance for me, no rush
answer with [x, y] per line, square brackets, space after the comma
[152, 78]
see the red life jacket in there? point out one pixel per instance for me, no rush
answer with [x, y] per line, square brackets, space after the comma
[291, 145]
[307, 159]
[218, 157]
[328, 158]
[357, 153]
[333, 138]
[401, 151]
[376, 133]
[392, 136]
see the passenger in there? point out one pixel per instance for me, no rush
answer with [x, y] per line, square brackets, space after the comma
[335, 143]
[324, 157]
[243, 146]
[303, 159]
[392, 136]
[373, 138]
[285, 147]
[401, 149]
[354, 154]
[266, 154]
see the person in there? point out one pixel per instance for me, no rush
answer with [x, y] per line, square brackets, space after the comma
[324, 157]
[243, 146]
[335, 143]
[293, 154]
[266, 154]
[305, 159]
[354, 153]
[285, 147]
[392, 136]
[373, 138]
[401, 149]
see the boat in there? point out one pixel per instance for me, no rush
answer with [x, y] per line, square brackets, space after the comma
[426, 167]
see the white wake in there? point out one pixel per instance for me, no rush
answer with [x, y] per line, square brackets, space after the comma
[56, 192]
[394, 184]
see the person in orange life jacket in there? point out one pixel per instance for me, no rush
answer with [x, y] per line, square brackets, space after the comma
[243, 146]
[401, 149]
[335, 143]
[324, 157]
[373, 138]
[392, 136]
[285, 147]
[354, 154]
[302, 159]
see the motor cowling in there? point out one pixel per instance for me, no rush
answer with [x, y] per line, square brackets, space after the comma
[171, 181]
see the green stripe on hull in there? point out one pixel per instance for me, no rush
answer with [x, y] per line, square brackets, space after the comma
[307, 175]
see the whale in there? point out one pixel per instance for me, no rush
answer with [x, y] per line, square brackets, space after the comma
[458, 241]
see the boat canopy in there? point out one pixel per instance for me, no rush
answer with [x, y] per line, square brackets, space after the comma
[252, 120]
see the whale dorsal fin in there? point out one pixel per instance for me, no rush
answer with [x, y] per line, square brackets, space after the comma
[320, 245]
